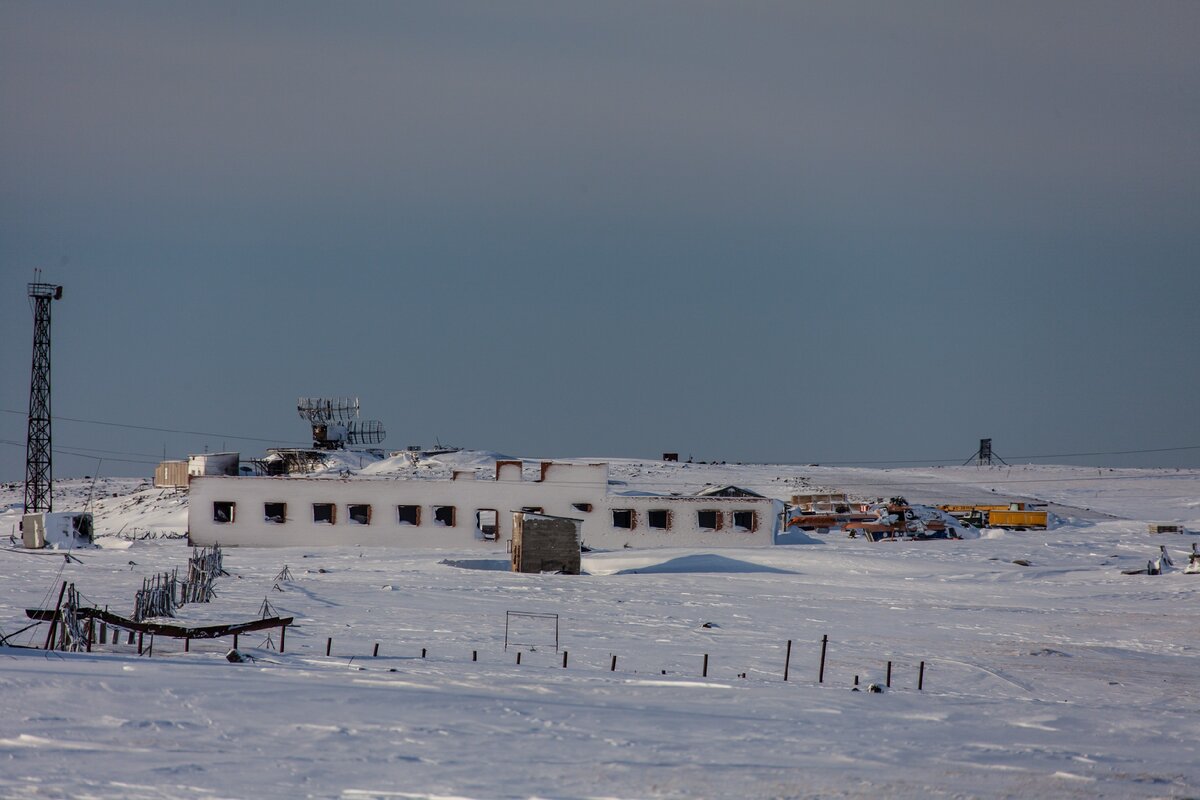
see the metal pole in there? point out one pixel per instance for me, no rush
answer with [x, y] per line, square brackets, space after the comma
[824, 644]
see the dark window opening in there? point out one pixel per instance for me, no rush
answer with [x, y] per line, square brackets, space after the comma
[623, 518]
[324, 513]
[708, 520]
[223, 511]
[584, 507]
[275, 512]
[408, 515]
[659, 519]
[443, 516]
[488, 523]
[745, 521]
[533, 509]
[360, 513]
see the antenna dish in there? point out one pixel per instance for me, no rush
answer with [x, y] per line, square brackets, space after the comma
[363, 432]
[335, 423]
[327, 409]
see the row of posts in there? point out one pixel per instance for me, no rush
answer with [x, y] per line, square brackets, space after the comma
[787, 663]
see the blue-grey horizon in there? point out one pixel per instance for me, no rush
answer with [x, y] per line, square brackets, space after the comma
[803, 232]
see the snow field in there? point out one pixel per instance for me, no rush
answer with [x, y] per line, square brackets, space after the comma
[1064, 678]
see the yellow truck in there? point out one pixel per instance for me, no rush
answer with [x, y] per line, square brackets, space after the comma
[1013, 515]
[1019, 520]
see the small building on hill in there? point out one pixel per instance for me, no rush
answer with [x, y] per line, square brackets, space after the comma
[465, 510]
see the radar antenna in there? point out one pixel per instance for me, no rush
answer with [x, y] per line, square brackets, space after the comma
[335, 423]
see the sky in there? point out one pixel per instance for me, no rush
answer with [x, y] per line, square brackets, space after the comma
[772, 232]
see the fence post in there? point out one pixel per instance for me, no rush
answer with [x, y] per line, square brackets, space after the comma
[889, 675]
[474, 655]
[235, 641]
[518, 658]
[328, 645]
[824, 644]
[564, 659]
[282, 634]
[375, 654]
[140, 642]
[613, 668]
[787, 660]
[704, 674]
[921, 678]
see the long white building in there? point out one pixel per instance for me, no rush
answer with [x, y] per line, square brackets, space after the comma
[465, 510]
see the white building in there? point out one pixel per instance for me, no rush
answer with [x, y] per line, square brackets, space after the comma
[464, 511]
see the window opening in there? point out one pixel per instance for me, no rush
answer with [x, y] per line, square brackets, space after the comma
[659, 519]
[708, 520]
[360, 513]
[324, 513]
[223, 511]
[408, 515]
[584, 507]
[275, 512]
[487, 521]
[443, 516]
[745, 521]
[623, 518]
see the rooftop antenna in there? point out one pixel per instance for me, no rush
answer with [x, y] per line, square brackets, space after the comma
[984, 455]
[335, 423]
[39, 474]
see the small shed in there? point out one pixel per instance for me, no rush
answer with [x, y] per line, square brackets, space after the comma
[545, 543]
[213, 464]
[171, 475]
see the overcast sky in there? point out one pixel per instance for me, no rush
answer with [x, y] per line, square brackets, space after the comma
[742, 231]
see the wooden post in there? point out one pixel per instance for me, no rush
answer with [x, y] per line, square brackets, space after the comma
[103, 633]
[141, 634]
[518, 658]
[564, 659]
[187, 644]
[921, 678]
[375, 654]
[889, 675]
[131, 637]
[90, 631]
[613, 668]
[422, 652]
[474, 655]
[704, 673]
[282, 634]
[235, 641]
[856, 680]
[54, 619]
[328, 645]
[824, 644]
[787, 660]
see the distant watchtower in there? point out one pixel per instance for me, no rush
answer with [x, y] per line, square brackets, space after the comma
[38, 472]
[984, 455]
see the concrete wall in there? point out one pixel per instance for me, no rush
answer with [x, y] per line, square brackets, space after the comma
[563, 487]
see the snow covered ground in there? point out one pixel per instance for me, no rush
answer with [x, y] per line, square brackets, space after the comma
[1064, 678]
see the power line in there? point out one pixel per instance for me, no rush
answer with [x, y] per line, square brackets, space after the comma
[158, 430]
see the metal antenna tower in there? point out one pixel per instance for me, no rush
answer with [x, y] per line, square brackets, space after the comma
[38, 472]
[984, 455]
